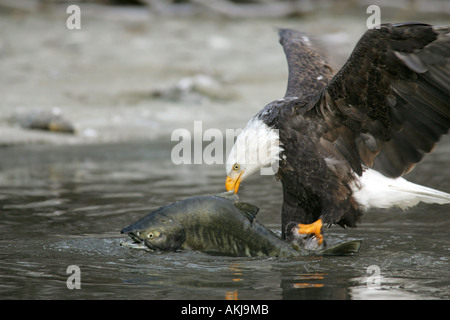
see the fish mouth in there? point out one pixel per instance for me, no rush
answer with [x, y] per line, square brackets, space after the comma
[135, 237]
[151, 246]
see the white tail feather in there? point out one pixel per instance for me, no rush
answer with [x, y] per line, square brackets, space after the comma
[374, 190]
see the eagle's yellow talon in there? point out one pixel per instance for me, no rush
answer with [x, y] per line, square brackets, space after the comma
[313, 228]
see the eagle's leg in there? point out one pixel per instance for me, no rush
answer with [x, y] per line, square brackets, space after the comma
[313, 228]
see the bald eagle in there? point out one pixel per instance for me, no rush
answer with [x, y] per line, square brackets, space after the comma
[343, 141]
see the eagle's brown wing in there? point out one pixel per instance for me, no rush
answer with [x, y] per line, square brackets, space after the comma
[390, 103]
[309, 72]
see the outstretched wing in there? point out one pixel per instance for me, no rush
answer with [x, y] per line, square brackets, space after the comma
[308, 70]
[390, 103]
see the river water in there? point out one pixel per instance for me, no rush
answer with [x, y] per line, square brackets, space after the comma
[64, 206]
[65, 198]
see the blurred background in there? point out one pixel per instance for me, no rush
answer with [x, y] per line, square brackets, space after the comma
[137, 70]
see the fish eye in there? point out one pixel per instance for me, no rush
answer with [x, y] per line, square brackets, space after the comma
[236, 167]
[152, 235]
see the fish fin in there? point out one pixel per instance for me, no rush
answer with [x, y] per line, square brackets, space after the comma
[247, 209]
[346, 248]
[230, 195]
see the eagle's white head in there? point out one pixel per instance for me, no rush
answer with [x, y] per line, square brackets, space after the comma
[257, 147]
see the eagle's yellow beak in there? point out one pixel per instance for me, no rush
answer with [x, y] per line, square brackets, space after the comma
[231, 184]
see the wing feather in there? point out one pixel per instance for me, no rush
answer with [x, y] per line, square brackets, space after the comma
[309, 72]
[390, 103]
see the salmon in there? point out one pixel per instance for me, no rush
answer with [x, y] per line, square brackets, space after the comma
[220, 225]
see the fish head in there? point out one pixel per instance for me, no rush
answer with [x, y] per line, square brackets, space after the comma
[157, 232]
[168, 237]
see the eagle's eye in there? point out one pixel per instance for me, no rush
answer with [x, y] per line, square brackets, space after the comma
[236, 167]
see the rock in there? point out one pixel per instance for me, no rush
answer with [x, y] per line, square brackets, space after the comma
[44, 120]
